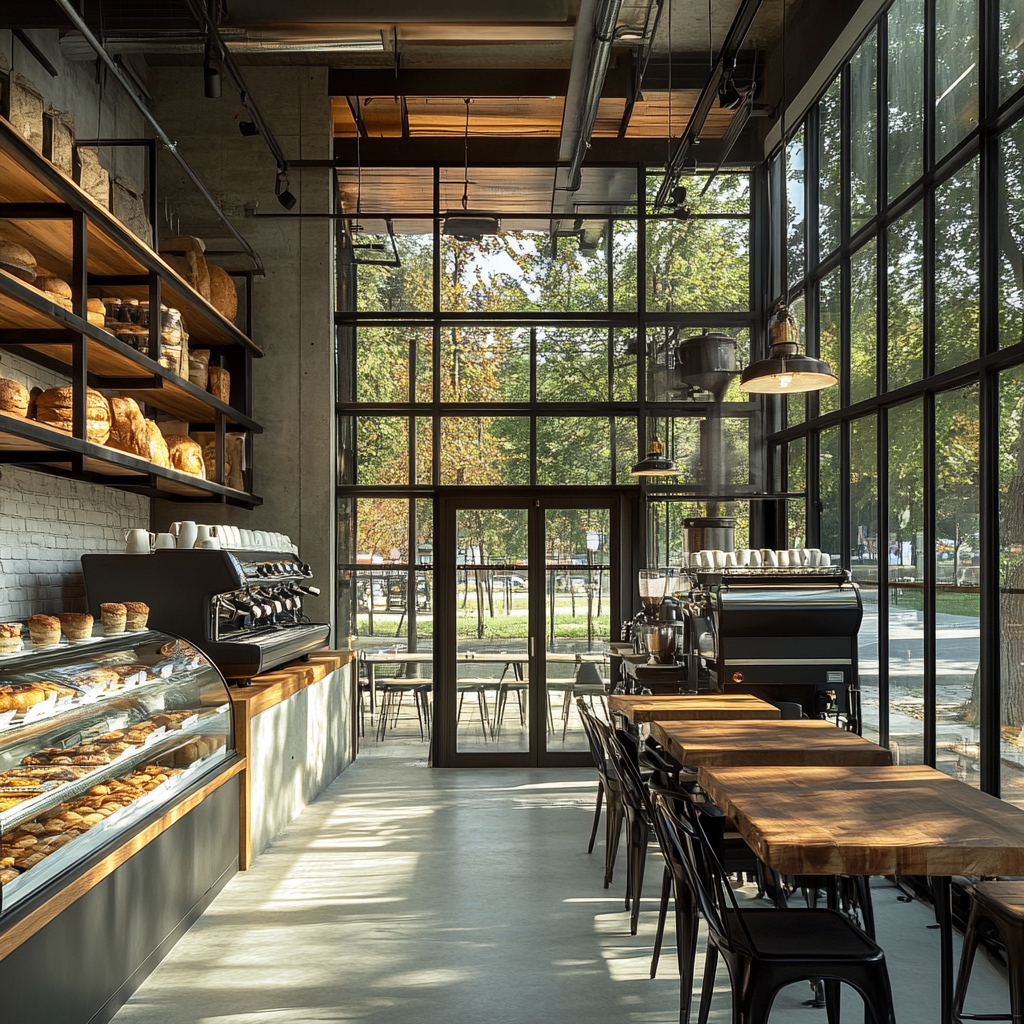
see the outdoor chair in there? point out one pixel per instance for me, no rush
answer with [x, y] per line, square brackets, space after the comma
[768, 949]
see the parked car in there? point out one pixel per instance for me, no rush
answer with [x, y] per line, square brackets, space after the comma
[513, 581]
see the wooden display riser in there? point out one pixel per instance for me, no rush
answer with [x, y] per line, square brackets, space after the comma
[295, 727]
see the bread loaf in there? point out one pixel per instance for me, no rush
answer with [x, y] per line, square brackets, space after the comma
[14, 398]
[199, 367]
[54, 408]
[210, 461]
[128, 431]
[223, 293]
[186, 455]
[156, 447]
[220, 384]
[191, 264]
[56, 290]
[96, 312]
[17, 260]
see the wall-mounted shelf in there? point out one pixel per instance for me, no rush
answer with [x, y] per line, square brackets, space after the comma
[78, 240]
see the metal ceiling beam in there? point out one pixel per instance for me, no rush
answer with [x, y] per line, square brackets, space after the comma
[470, 82]
[733, 40]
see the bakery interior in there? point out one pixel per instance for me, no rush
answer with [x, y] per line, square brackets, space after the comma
[378, 385]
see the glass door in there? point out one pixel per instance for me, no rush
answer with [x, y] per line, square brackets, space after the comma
[528, 598]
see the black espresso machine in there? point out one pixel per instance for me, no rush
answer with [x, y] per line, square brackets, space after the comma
[242, 609]
[782, 634]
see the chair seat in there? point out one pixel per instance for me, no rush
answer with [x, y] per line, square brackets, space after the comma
[1005, 899]
[797, 934]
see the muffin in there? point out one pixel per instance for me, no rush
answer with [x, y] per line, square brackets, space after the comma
[14, 398]
[10, 637]
[137, 614]
[76, 625]
[113, 617]
[43, 630]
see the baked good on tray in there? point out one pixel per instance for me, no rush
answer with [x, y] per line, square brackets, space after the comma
[137, 615]
[128, 427]
[44, 630]
[54, 408]
[14, 398]
[223, 293]
[113, 616]
[10, 637]
[220, 384]
[186, 455]
[17, 260]
[96, 312]
[55, 289]
[76, 625]
[156, 446]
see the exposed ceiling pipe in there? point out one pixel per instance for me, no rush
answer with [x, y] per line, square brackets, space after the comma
[592, 49]
[172, 147]
[733, 40]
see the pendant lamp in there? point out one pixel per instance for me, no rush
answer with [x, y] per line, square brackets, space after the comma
[786, 371]
[655, 462]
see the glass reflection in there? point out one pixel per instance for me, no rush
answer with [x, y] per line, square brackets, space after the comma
[906, 300]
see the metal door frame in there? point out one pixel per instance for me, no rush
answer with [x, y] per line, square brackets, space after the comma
[622, 505]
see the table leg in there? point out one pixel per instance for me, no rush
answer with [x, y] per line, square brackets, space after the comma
[942, 891]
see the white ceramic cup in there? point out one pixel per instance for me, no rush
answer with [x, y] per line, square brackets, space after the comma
[796, 556]
[234, 537]
[208, 533]
[755, 558]
[247, 539]
[769, 558]
[695, 561]
[185, 532]
[805, 557]
[824, 559]
[165, 540]
[212, 543]
[138, 542]
[782, 558]
[260, 540]
[814, 556]
[730, 559]
[707, 559]
[719, 557]
[743, 556]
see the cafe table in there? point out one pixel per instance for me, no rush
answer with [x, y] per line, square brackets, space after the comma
[895, 820]
[805, 741]
[690, 707]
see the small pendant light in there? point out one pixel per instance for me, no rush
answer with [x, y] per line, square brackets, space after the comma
[786, 371]
[655, 462]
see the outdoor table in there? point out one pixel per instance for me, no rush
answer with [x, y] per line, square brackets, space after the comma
[704, 707]
[895, 820]
[805, 741]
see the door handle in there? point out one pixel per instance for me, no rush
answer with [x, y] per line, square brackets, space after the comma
[531, 646]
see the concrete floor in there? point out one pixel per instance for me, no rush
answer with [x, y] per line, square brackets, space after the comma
[408, 895]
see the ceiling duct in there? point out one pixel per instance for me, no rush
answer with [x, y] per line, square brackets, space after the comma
[308, 39]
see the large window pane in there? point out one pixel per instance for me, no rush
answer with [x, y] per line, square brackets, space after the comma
[1011, 46]
[485, 450]
[698, 265]
[864, 132]
[863, 323]
[387, 358]
[796, 405]
[906, 583]
[957, 269]
[1011, 581]
[626, 453]
[829, 173]
[957, 579]
[485, 364]
[831, 512]
[399, 284]
[864, 559]
[796, 480]
[830, 313]
[1011, 237]
[573, 450]
[956, 72]
[572, 364]
[382, 450]
[797, 232]
[906, 94]
[382, 530]
[906, 299]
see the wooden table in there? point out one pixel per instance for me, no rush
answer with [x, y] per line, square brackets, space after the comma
[806, 741]
[706, 707]
[896, 820]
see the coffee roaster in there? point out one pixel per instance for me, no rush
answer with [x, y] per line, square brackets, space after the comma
[243, 609]
[786, 635]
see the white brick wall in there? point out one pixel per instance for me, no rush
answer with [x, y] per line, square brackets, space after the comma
[47, 523]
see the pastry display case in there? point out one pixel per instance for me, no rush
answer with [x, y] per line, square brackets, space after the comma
[95, 736]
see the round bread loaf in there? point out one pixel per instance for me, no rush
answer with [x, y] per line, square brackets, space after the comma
[96, 312]
[14, 397]
[54, 408]
[156, 447]
[220, 384]
[186, 455]
[55, 290]
[17, 260]
[223, 293]
[128, 427]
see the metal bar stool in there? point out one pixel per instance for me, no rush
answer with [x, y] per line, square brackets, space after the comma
[1000, 904]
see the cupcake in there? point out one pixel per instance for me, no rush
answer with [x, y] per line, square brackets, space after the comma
[137, 615]
[10, 637]
[43, 630]
[76, 625]
[113, 617]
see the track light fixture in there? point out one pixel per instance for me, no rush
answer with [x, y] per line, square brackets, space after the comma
[284, 197]
[680, 210]
[211, 80]
[248, 129]
[729, 97]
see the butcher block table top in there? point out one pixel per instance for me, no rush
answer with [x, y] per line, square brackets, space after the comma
[806, 741]
[896, 820]
[705, 707]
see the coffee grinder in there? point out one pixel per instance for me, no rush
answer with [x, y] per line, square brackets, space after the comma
[657, 629]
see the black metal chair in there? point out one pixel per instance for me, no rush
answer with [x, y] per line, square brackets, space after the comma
[608, 785]
[768, 949]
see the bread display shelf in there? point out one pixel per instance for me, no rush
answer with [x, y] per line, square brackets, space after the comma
[111, 363]
[112, 250]
[30, 443]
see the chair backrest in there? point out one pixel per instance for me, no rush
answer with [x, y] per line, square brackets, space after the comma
[622, 748]
[789, 709]
[706, 876]
[589, 675]
[590, 727]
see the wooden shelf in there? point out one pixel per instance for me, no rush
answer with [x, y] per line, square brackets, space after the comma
[29, 443]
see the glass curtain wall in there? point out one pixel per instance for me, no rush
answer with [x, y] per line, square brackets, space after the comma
[528, 358]
[915, 269]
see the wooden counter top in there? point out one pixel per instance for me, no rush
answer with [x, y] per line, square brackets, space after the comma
[695, 707]
[274, 687]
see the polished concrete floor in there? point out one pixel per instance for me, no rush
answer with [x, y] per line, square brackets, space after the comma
[409, 895]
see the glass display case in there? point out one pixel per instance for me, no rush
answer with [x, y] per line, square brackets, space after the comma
[94, 737]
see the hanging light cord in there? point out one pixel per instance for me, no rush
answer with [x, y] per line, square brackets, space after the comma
[465, 146]
[668, 140]
[784, 213]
